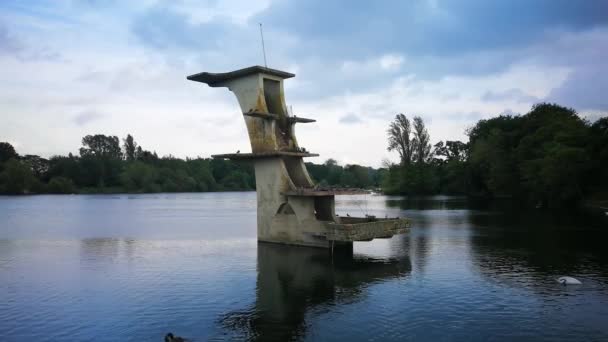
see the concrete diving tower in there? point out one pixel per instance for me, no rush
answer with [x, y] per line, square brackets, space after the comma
[291, 210]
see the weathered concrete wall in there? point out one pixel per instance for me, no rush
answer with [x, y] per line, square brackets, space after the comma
[271, 180]
[298, 173]
[299, 226]
[249, 92]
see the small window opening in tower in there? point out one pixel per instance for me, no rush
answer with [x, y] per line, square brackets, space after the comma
[272, 96]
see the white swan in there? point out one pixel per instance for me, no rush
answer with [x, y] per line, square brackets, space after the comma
[568, 281]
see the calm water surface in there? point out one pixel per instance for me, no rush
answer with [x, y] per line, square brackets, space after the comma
[133, 267]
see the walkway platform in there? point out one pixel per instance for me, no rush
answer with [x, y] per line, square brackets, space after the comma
[349, 229]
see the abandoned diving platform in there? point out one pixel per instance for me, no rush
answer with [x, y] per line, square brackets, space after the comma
[291, 209]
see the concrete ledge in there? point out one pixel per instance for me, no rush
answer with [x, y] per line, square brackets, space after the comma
[261, 155]
[324, 192]
[366, 230]
[300, 120]
[271, 116]
[262, 115]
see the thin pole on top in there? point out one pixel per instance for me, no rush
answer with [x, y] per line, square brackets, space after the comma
[263, 47]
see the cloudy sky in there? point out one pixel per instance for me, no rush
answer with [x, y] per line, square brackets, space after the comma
[70, 68]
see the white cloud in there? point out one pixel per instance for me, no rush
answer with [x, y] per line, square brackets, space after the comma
[86, 117]
[391, 62]
[383, 63]
[350, 118]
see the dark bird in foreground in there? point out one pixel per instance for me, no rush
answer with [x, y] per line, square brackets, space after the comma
[170, 338]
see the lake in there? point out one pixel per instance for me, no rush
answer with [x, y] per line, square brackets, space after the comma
[134, 267]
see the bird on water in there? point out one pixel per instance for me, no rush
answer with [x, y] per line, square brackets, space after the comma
[170, 338]
[568, 281]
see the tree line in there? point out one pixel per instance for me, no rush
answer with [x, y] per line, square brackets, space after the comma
[548, 157]
[104, 165]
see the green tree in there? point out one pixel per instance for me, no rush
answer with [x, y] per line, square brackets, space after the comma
[61, 185]
[494, 163]
[399, 138]
[414, 152]
[598, 148]
[145, 156]
[139, 177]
[7, 152]
[452, 150]
[100, 145]
[541, 157]
[66, 167]
[16, 178]
[39, 165]
[101, 161]
[421, 142]
[200, 170]
[130, 148]
[359, 176]
[450, 166]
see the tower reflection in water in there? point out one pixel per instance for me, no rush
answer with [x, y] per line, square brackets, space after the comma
[293, 281]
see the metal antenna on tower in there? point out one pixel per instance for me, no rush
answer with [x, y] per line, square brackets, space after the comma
[263, 47]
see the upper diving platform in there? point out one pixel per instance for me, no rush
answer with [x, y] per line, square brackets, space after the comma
[213, 79]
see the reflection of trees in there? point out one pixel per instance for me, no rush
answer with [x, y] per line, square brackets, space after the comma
[421, 213]
[416, 244]
[293, 280]
[96, 248]
[428, 202]
[99, 248]
[537, 245]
